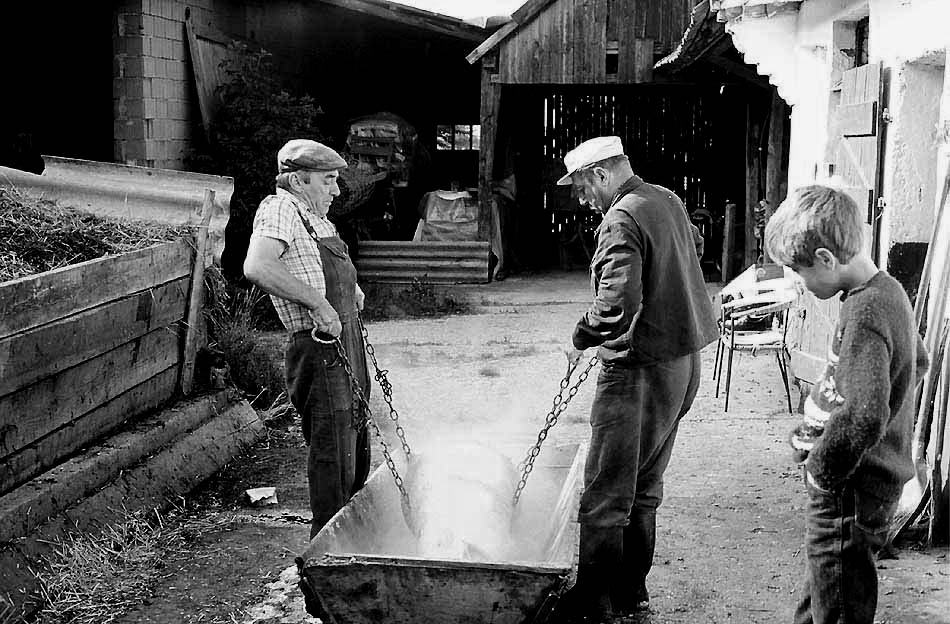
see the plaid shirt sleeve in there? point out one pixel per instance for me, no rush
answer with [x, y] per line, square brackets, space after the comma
[278, 218]
[275, 218]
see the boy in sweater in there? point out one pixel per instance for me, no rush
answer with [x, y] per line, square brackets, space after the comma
[856, 439]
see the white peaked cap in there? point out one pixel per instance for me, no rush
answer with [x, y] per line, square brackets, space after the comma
[589, 152]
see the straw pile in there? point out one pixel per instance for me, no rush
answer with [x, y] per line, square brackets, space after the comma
[38, 235]
[96, 578]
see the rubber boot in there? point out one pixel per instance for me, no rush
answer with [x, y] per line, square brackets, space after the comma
[629, 593]
[588, 601]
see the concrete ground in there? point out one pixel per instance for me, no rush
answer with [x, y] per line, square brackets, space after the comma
[730, 530]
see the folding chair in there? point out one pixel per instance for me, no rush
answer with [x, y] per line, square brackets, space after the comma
[755, 320]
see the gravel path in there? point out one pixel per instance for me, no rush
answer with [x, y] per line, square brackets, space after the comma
[729, 531]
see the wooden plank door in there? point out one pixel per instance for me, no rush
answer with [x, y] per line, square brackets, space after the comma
[855, 156]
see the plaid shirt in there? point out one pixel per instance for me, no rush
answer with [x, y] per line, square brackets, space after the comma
[277, 217]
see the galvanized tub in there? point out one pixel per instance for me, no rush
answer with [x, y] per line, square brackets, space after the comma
[361, 567]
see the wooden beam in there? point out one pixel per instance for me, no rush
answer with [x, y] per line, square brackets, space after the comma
[43, 407]
[45, 297]
[643, 72]
[739, 71]
[409, 16]
[36, 457]
[37, 353]
[728, 241]
[487, 45]
[488, 116]
[752, 168]
[774, 179]
[196, 298]
[529, 9]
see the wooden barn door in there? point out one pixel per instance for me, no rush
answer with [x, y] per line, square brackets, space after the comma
[685, 138]
[855, 150]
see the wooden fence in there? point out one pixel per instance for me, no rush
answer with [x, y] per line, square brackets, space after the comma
[86, 347]
[687, 138]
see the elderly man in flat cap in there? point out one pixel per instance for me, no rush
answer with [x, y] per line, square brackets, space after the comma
[650, 317]
[297, 257]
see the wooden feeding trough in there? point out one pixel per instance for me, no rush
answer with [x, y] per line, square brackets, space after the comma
[364, 565]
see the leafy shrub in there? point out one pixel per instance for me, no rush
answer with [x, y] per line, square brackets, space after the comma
[257, 116]
[254, 357]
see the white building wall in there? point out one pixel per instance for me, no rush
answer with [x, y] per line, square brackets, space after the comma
[910, 38]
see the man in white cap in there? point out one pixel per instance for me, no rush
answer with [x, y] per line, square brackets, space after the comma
[650, 317]
[297, 257]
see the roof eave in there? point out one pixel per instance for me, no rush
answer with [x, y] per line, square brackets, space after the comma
[411, 16]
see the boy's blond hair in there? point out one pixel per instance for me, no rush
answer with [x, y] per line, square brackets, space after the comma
[814, 216]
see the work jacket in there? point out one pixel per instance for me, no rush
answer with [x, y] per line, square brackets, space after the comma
[650, 301]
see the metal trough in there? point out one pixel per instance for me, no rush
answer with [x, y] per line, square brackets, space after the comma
[362, 567]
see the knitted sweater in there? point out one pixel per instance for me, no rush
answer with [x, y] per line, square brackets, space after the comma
[859, 418]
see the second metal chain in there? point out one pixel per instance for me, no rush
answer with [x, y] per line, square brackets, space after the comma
[385, 386]
[367, 419]
[559, 405]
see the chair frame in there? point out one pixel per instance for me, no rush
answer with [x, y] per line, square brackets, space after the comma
[776, 296]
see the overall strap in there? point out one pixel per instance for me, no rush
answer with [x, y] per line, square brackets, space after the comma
[308, 227]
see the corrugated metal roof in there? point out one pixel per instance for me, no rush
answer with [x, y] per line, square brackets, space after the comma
[412, 16]
[679, 54]
[463, 262]
[729, 10]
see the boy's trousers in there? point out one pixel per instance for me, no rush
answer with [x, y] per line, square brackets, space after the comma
[843, 532]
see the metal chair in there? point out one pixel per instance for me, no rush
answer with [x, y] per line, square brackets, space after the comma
[755, 320]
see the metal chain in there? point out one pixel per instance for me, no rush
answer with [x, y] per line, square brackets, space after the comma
[367, 419]
[559, 405]
[385, 386]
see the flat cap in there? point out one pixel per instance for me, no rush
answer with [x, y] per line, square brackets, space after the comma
[590, 152]
[307, 155]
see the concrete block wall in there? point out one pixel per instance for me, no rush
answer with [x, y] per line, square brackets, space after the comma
[156, 115]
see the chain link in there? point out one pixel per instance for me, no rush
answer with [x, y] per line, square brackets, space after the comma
[560, 404]
[385, 386]
[367, 416]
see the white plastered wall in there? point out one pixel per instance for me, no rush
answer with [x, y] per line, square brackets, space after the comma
[909, 37]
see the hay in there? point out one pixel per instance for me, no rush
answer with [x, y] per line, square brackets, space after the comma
[95, 579]
[39, 235]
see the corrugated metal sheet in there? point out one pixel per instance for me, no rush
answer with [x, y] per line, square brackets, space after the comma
[127, 192]
[729, 10]
[433, 262]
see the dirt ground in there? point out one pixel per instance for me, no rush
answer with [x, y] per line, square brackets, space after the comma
[729, 545]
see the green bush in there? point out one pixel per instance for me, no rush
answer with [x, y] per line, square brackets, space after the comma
[255, 357]
[257, 116]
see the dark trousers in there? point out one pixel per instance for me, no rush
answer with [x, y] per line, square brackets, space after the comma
[634, 419]
[339, 459]
[843, 532]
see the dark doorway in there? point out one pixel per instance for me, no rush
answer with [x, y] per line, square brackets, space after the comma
[688, 138]
[58, 69]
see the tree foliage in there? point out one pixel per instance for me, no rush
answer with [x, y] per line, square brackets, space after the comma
[256, 117]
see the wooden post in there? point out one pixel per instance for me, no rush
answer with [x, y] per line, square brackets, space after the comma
[752, 168]
[491, 98]
[196, 297]
[728, 241]
[776, 176]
